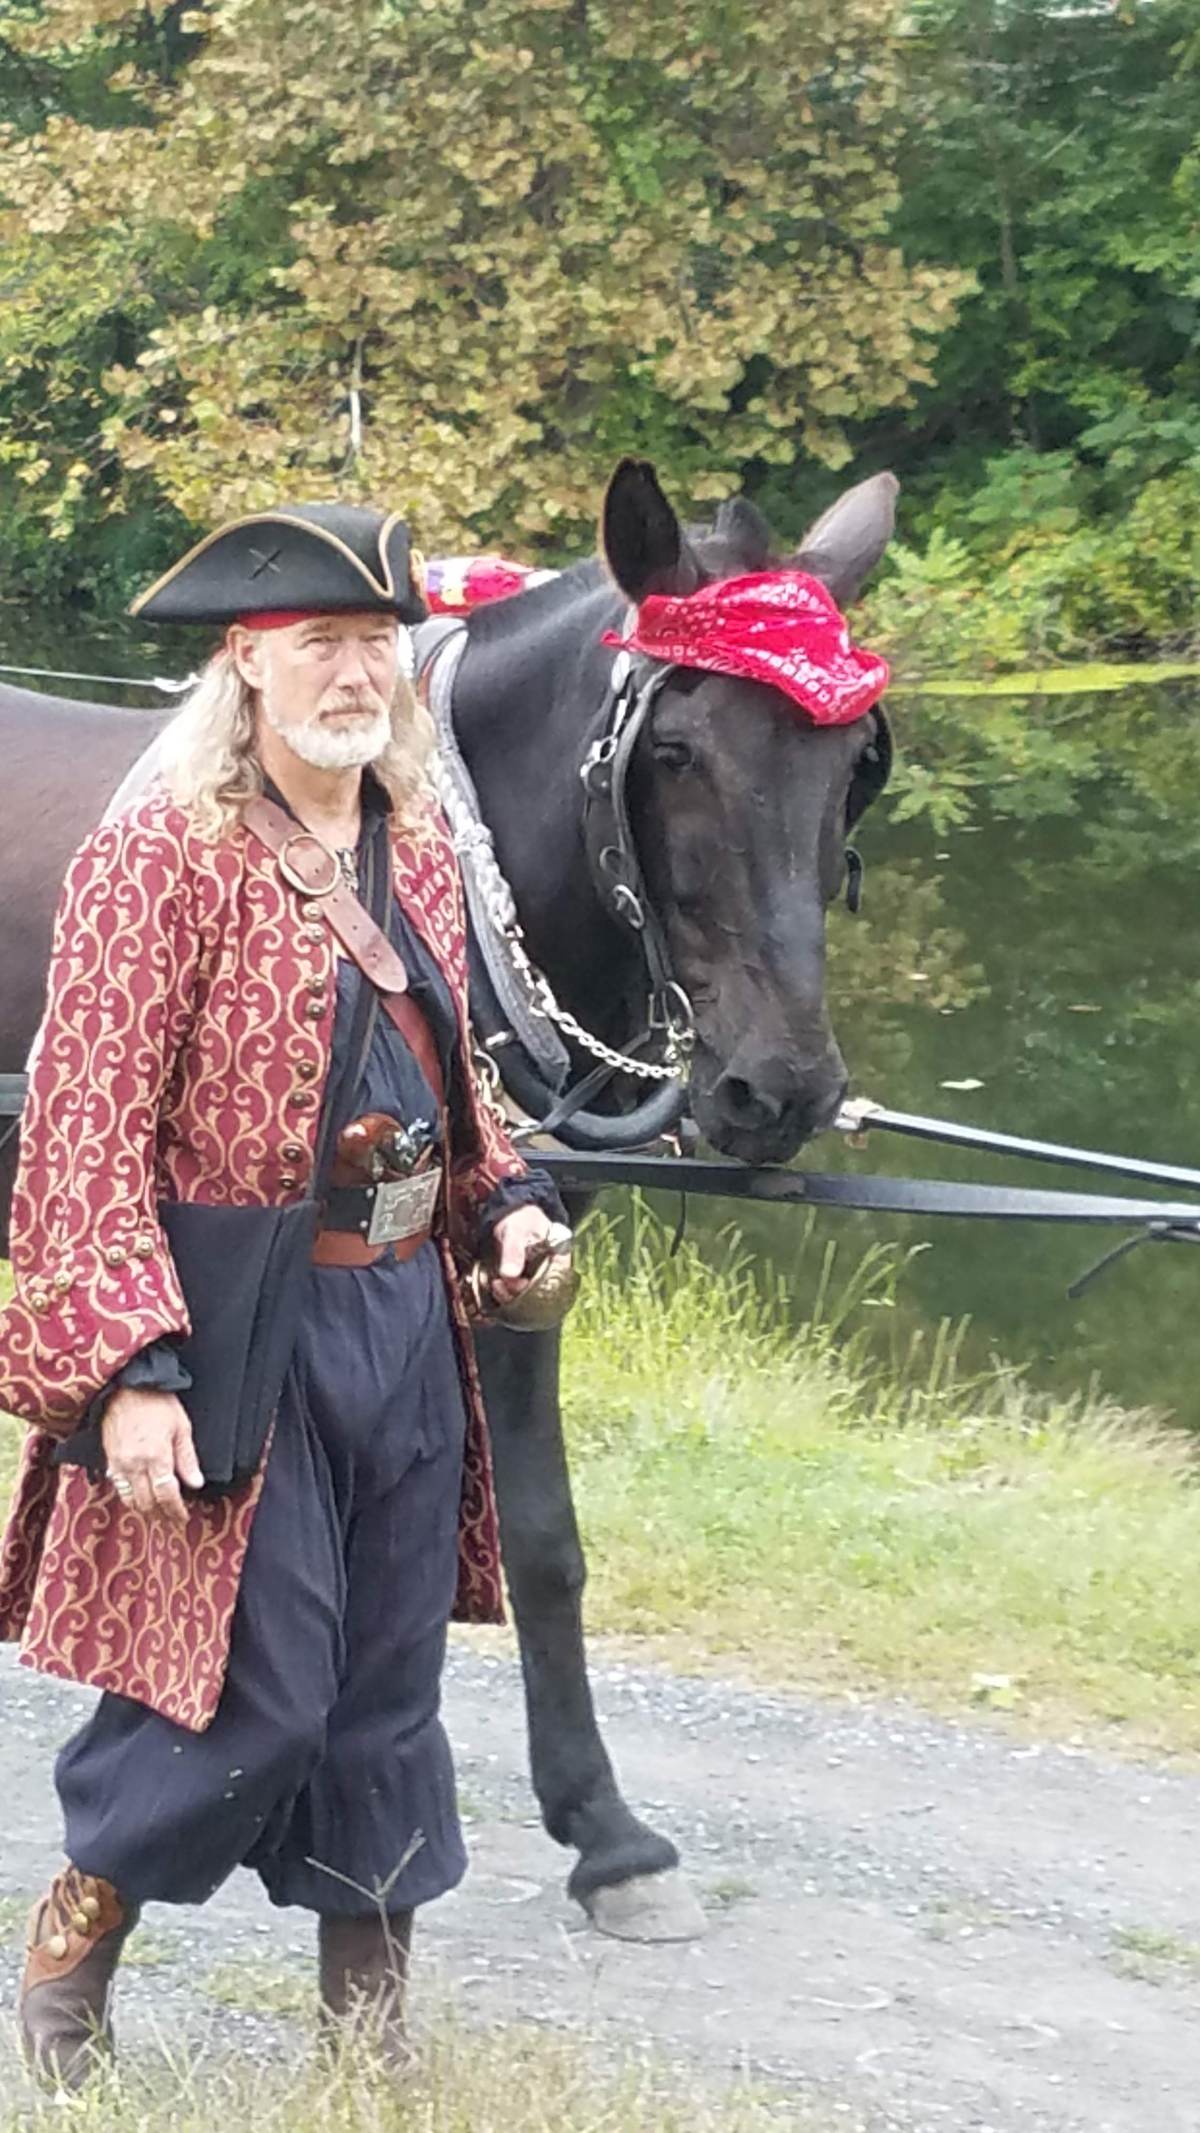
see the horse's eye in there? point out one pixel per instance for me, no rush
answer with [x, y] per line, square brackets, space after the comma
[673, 755]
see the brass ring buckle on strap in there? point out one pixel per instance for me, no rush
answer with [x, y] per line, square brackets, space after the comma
[299, 871]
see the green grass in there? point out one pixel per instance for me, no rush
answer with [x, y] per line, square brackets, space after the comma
[253, 1987]
[512, 2080]
[763, 1496]
[1155, 1957]
[768, 1498]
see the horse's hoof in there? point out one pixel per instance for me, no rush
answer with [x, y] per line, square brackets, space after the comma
[647, 1907]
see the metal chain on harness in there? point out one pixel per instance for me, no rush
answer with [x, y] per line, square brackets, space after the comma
[473, 839]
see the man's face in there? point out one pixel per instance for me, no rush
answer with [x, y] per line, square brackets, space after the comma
[324, 685]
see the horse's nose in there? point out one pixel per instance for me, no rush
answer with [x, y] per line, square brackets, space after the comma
[775, 1104]
[744, 1107]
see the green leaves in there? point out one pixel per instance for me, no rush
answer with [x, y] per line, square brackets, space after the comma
[756, 245]
[554, 233]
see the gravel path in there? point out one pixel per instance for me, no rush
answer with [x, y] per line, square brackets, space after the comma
[915, 1925]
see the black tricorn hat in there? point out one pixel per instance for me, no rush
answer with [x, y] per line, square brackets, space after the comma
[307, 558]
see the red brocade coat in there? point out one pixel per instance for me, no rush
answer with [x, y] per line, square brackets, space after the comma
[183, 1055]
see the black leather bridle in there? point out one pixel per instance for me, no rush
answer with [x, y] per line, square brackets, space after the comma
[617, 872]
[619, 880]
[621, 887]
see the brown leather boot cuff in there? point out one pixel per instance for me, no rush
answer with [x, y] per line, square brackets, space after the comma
[76, 1913]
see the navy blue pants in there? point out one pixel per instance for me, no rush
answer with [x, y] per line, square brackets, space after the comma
[326, 1762]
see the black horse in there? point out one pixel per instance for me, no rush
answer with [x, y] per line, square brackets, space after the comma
[739, 811]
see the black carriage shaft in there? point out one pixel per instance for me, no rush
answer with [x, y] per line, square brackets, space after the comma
[895, 1196]
[949, 1133]
[584, 1172]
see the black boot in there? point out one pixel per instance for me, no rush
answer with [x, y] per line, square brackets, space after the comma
[363, 1975]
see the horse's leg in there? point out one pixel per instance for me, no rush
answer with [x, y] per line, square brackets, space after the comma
[626, 1875]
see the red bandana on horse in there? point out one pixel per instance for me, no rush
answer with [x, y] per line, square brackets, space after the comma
[780, 627]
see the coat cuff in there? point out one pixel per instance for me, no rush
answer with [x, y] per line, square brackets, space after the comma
[156, 1367]
[532, 1188]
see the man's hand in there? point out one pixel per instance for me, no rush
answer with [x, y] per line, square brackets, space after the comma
[514, 1237]
[148, 1450]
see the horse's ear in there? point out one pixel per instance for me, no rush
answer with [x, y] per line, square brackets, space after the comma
[742, 525]
[644, 544]
[846, 542]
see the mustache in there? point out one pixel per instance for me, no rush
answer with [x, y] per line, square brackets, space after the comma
[353, 700]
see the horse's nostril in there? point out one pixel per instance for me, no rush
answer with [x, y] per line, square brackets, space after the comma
[743, 1105]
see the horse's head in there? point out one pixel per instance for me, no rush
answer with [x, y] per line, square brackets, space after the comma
[741, 809]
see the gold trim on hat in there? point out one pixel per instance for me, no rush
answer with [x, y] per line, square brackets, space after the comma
[385, 586]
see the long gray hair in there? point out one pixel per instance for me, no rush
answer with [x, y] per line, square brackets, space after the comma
[206, 756]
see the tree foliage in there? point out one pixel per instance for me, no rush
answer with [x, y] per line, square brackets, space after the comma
[1055, 153]
[456, 254]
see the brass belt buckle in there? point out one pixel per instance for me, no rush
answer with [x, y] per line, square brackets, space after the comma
[402, 1207]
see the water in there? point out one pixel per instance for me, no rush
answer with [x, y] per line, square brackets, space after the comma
[1056, 962]
[1047, 951]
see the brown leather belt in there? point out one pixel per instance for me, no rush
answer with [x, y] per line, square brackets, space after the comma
[363, 1221]
[342, 1247]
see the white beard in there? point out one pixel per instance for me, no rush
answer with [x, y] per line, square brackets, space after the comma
[332, 747]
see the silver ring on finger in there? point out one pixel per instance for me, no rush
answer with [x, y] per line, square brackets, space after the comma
[161, 1481]
[122, 1487]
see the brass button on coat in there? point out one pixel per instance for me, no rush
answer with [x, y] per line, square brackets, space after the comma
[307, 1069]
[115, 1256]
[315, 1010]
[144, 1246]
[287, 1179]
[316, 983]
[292, 1152]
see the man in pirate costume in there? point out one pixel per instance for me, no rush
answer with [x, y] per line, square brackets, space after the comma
[270, 1655]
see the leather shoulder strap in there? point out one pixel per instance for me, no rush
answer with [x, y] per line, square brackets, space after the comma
[309, 867]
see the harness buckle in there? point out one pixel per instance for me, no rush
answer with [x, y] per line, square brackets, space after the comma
[598, 757]
[672, 1013]
[628, 906]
